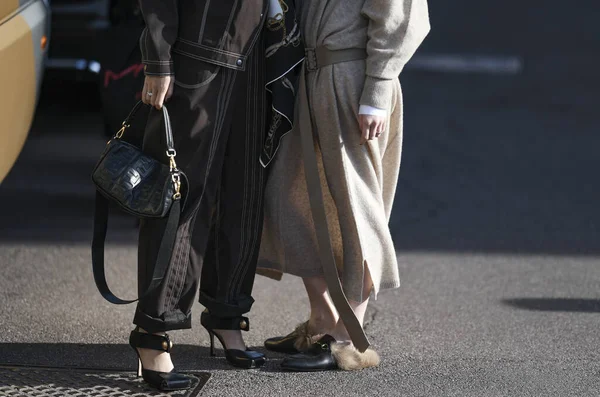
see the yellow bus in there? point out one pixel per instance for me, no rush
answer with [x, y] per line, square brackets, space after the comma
[24, 27]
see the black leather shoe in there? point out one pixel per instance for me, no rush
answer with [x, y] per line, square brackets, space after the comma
[295, 342]
[238, 358]
[287, 344]
[166, 381]
[318, 358]
[283, 344]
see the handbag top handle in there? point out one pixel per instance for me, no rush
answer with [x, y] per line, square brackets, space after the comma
[168, 130]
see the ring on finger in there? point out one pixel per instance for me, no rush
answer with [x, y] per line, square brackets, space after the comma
[149, 93]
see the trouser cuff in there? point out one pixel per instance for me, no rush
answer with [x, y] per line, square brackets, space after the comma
[169, 321]
[231, 323]
[218, 308]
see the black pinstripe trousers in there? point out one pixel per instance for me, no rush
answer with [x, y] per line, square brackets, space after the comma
[218, 117]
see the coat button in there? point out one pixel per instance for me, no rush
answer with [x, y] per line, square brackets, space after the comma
[243, 324]
[239, 62]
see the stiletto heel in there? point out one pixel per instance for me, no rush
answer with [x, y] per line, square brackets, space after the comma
[166, 381]
[238, 358]
[212, 343]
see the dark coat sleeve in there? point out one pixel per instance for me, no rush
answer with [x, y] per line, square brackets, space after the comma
[162, 20]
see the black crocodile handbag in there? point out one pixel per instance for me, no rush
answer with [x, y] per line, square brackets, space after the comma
[139, 185]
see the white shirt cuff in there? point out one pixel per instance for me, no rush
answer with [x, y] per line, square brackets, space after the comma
[275, 9]
[371, 111]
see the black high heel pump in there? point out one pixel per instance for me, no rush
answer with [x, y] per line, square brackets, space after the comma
[166, 381]
[238, 358]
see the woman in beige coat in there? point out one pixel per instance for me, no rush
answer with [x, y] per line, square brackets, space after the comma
[332, 185]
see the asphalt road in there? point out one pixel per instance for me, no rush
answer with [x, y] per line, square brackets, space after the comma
[496, 225]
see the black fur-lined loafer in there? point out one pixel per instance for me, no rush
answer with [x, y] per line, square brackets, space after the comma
[282, 344]
[293, 343]
[326, 354]
[318, 358]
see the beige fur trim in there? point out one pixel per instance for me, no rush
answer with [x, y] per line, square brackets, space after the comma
[350, 359]
[304, 339]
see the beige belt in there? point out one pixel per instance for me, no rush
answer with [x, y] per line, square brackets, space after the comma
[315, 59]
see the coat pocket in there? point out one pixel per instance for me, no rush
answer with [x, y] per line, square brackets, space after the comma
[193, 73]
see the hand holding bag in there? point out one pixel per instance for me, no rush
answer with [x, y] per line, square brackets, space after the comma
[142, 186]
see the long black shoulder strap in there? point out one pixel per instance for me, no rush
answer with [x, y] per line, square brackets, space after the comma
[164, 253]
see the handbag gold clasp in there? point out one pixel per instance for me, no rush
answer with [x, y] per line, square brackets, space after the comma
[172, 163]
[120, 133]
[171, 153]
[177, 184]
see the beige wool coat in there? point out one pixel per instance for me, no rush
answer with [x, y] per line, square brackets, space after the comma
[359, 182]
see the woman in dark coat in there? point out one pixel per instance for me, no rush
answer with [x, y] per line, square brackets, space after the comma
[211, 62]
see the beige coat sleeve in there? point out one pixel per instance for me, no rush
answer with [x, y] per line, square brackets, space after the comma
[396, 29]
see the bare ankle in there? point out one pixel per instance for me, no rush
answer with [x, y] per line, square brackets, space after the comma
[321, 324]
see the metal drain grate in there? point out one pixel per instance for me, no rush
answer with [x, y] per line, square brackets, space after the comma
[43, 382]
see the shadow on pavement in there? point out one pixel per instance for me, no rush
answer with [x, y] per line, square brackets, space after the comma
[118, 357]
[555, 304]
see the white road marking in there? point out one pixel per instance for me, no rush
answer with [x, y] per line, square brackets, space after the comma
[457, 63]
